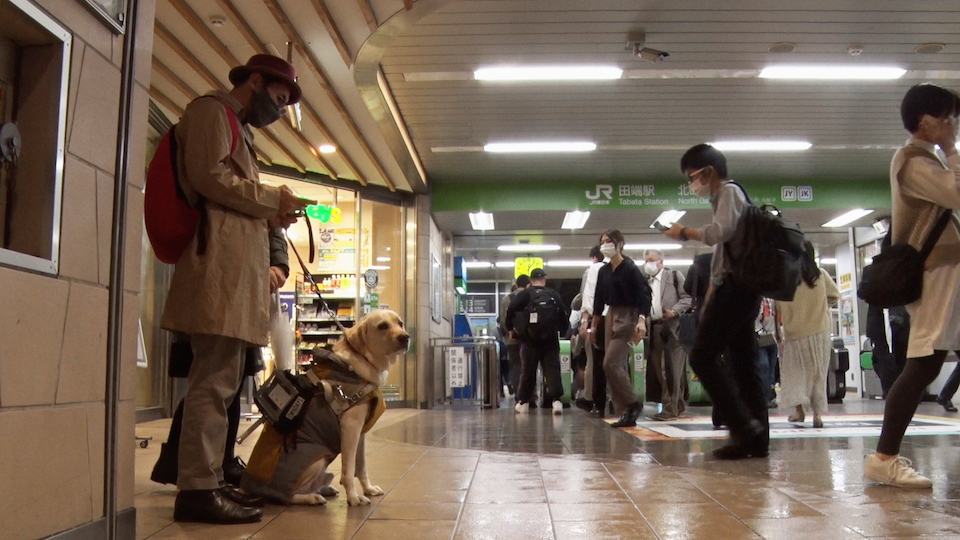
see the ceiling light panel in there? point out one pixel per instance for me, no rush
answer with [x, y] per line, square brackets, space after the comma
[660, 247]
[575, 220]
[849, 73]
[548, 73]
[529, 247]
[541, 147]
[761, 146]
[576, 263]
[477, 264]
[847, 218]
[481, 221]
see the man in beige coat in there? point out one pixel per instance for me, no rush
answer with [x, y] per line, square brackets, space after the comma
[220, 293]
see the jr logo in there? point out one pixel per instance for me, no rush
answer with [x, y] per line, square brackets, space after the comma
[602, 189]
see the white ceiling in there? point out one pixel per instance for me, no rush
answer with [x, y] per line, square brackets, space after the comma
[706, 90]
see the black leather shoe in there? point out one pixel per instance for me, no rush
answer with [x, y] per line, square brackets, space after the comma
[629, 418]
[165, 470]
[242, 498]
[233, 471]
[947, 405]
[731, 451]
[211, 506]
[583, 404]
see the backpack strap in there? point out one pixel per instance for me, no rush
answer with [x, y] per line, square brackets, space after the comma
[742, 190]
[935, 233]
[201, 200]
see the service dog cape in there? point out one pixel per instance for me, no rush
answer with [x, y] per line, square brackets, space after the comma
[278, 460]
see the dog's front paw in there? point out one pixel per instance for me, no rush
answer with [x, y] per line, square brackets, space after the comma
[357, 500]
[328, 491]
[372, 491]
[310, 499]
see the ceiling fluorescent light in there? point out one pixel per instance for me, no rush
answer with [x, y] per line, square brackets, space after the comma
[477, 264]
[832, 72]
[569, 264]
[529, 247]
[481, 221]
[327, 148]
[548, 73]
[575, 220]
[847, 218]
[529, 147]
[677, 262]
[660, 247]
[505, 264]
[761, 146]
[828, 262]
[383, 259]
[669, 217]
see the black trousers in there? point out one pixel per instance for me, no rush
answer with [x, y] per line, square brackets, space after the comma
[904, 398]
[727, 326]
[545, 354]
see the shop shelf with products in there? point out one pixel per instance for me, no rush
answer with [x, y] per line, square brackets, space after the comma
[315, 326]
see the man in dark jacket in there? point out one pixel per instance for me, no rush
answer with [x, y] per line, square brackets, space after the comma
[538, 329]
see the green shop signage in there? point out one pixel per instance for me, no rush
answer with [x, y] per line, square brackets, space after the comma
[491, 196]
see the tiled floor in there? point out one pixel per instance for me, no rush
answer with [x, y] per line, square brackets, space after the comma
[469, 474]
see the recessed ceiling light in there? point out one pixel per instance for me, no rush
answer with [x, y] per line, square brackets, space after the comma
[828, 262]
[569, 263]
[832, 72]
[761, 146]
[669, 217]
[477, 264]
[929, 48]
[548, 73]
[383, 259]
[677, 262]
[327, 148]
[575, 220]
[849, 217]
[529, 247]
[481, 221]
[505, 264]
[782, 47]
[660, 247]
[559, 146]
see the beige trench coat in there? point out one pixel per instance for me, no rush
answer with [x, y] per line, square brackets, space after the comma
[225, 291]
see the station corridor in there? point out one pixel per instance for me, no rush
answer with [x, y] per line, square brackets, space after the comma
[461, 473]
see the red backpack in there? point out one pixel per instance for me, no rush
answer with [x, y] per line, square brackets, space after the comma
[170, 220]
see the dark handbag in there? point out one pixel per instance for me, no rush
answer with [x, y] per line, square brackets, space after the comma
[687, 330]
[895, 278]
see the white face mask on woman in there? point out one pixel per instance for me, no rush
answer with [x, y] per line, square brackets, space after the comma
[608, 249]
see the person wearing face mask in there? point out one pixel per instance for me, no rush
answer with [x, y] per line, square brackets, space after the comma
[220, 295]
[727, 317]
[666, 359]
[924, 185]
[622, 300]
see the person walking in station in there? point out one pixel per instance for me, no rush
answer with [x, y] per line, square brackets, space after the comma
[925, 186]
[538, 316]
[593, 373]
[622, 300]
[727, 318]
[768, 349]
[666, 357]
[513, 344]
[806, 348]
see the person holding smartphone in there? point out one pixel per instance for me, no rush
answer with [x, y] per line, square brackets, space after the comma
[220, 293]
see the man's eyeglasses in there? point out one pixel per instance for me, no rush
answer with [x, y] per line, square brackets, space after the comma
[693, 176]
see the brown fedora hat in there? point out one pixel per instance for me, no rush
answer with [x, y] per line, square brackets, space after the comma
[272, 66]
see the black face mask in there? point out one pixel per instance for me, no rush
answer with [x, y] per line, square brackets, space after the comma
[263, 110]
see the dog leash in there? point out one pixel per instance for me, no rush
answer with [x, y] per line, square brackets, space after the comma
[309, 276]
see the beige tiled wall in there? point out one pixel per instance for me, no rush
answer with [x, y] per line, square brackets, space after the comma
[430, 242]
[53, 330]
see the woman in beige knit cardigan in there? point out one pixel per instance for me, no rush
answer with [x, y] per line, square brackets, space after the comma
[806, 349]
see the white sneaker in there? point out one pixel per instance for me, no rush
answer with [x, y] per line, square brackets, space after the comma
[557, 407]
[522, 407]
[896, 471]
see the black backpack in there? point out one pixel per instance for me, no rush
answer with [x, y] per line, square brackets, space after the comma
[542, 318]
[766, 252]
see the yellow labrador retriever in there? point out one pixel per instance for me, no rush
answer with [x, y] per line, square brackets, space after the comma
[292, 468]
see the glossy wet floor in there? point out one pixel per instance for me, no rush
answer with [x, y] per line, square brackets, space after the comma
[461, 473]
